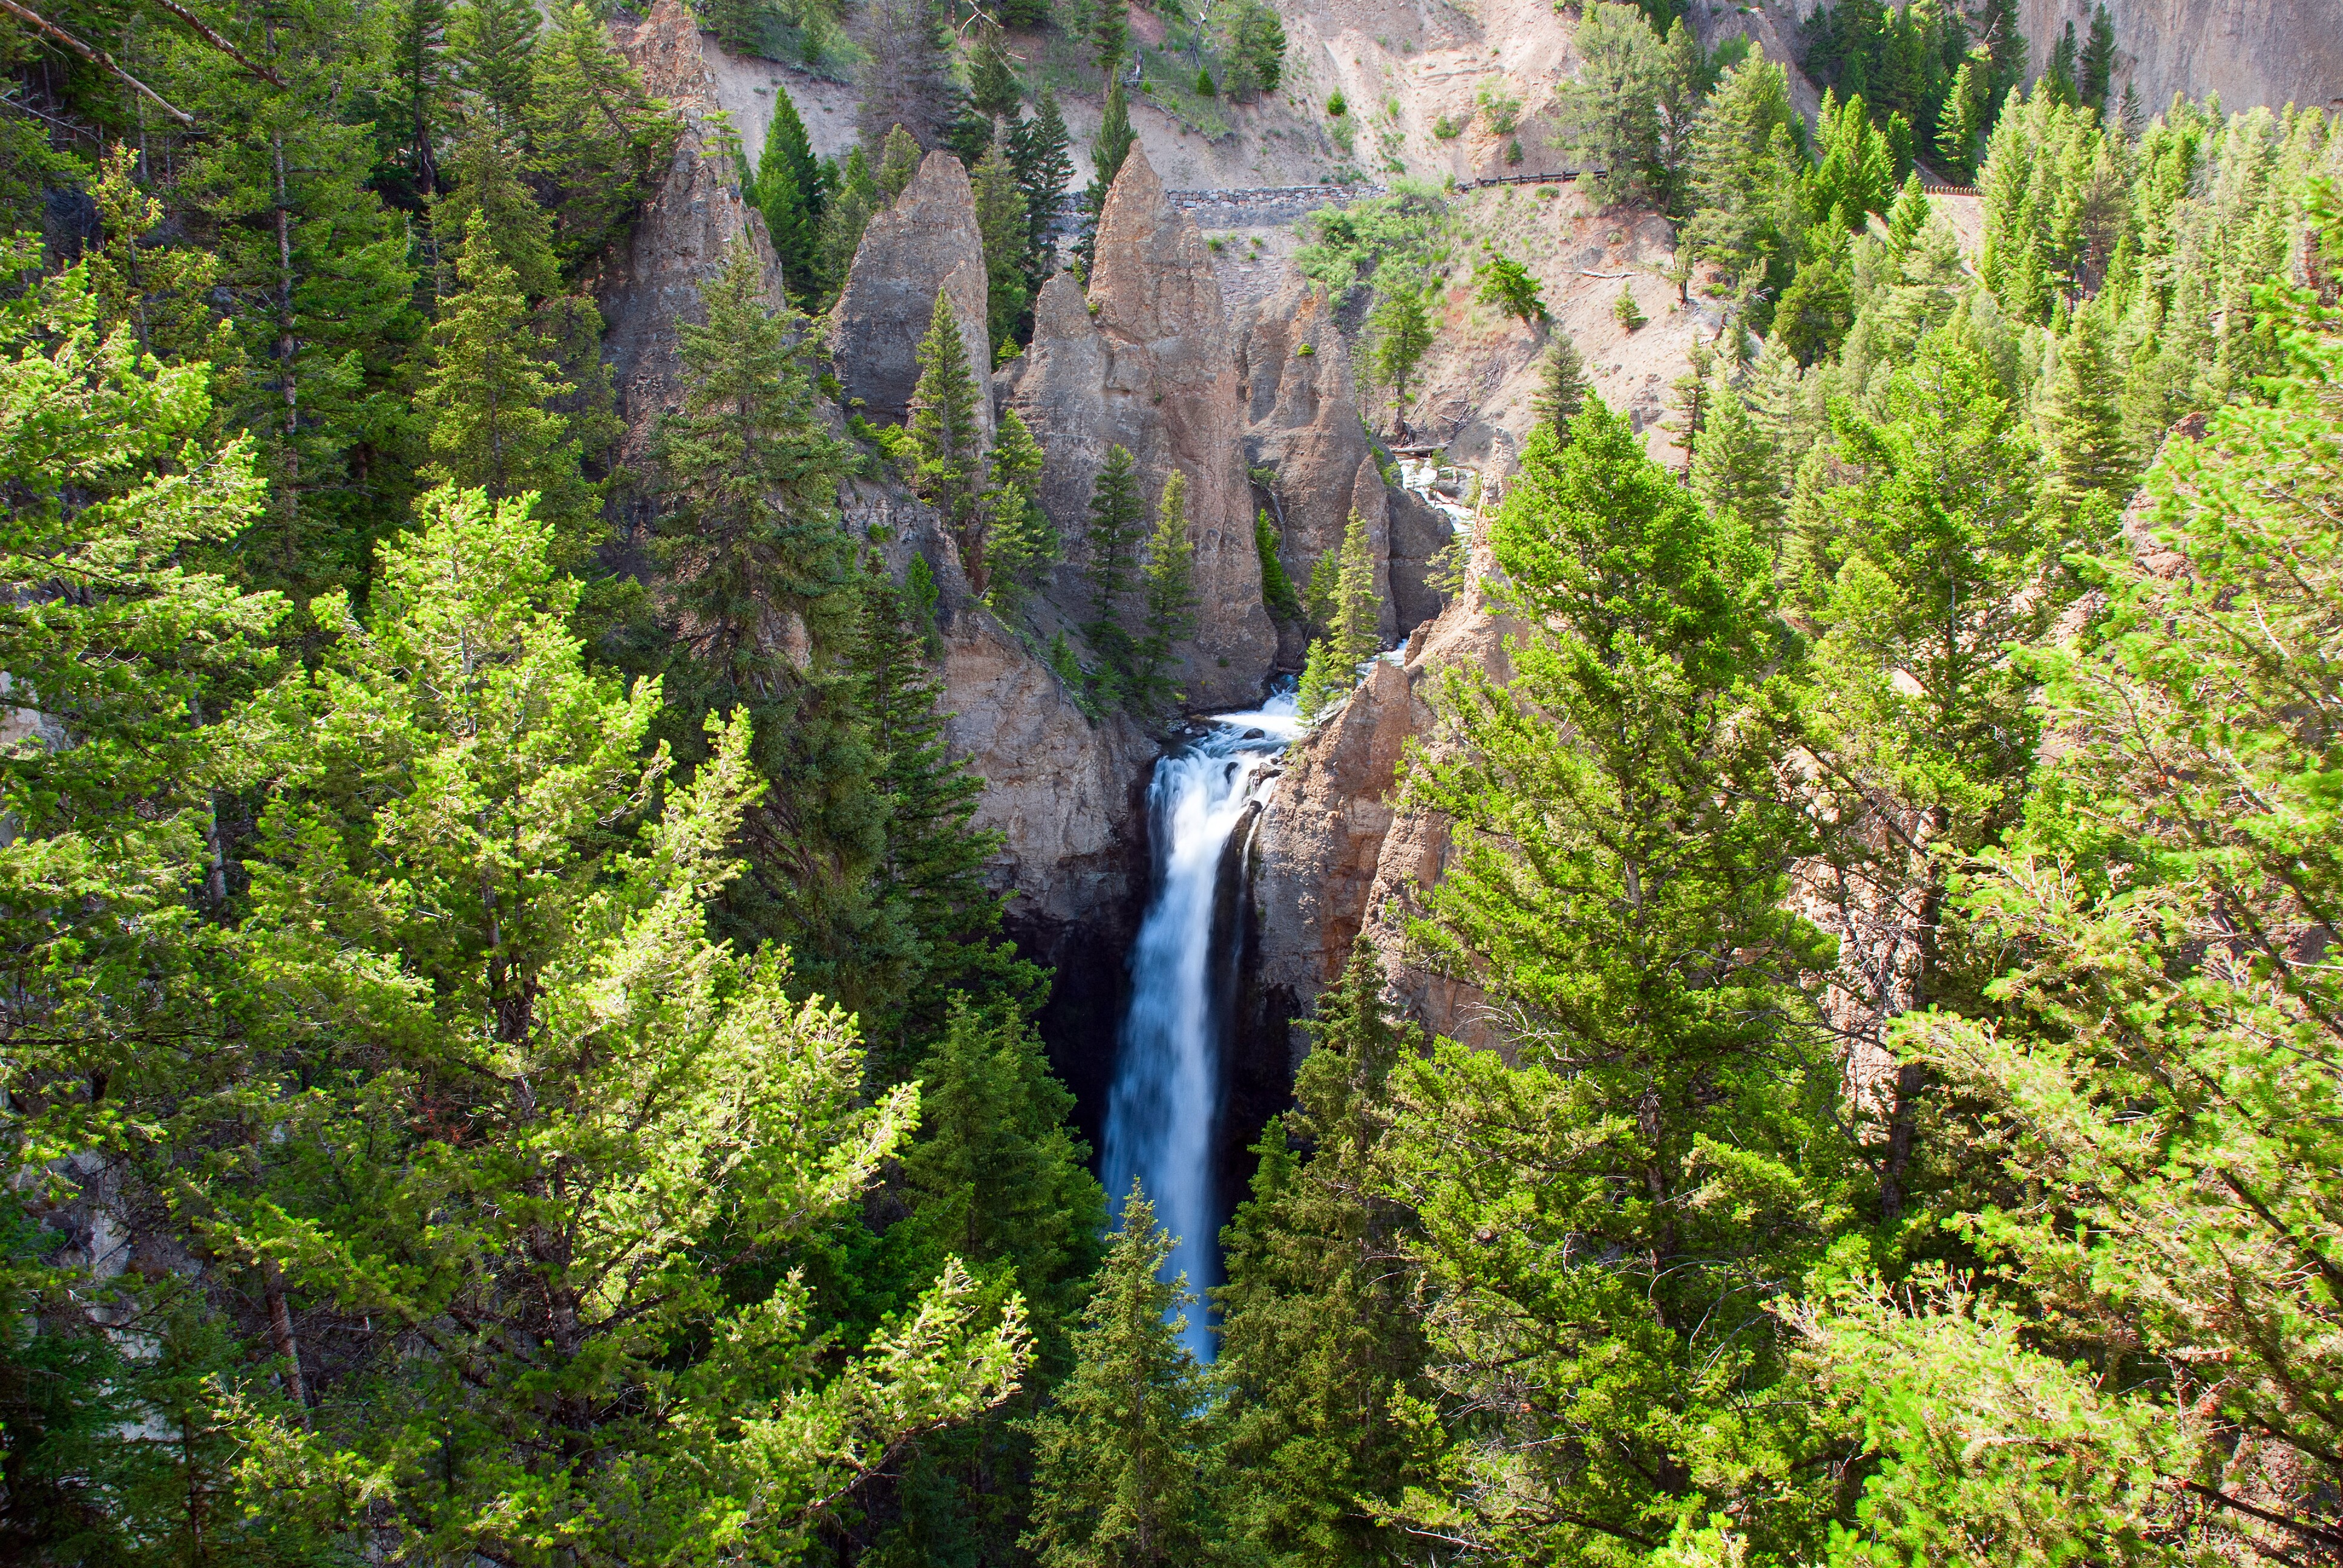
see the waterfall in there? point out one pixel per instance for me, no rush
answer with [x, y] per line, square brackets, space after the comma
[1163, 1109]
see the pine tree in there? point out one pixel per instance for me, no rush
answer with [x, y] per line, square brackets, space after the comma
[595, 135]
[2098, 61]
[1622, 853]
[1001, 219]
[322, 288]
[1021, 539]
[933, 870]
[1111, 145]
[1403, 336]
[1736, 468]
[1038, 150]
[1115, 1481]
[1255, 49]
[1117, 527]
[2082, 421]
[2058, 79]
[1343, 600]
[471, 899]
[949, 439]
[993, 85]
[488, 400]
[789, 194]
[1746, 154]
[487, 170]
[1562, 386]
[1110, 35]
[1507, 285]
[421, 96]
[898, 161]
[494, 43]
[1318, 1342]
[845, 215]
[1167, 598]
[761, 575]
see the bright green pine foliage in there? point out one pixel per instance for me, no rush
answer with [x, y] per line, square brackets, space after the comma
[470, 947]
[2160, 1043]
[1622, 851]
[1020, 539]
[1116, 537]
[1117, 1454]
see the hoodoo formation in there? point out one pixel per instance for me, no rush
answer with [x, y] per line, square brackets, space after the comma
[1275, 783]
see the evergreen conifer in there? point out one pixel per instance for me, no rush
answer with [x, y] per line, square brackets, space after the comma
[488, 400]
[1167, 598]
[844, 218]
[494, 43]
[1562, 386]
[1117, 530]
[1020, 539]
[1038, 150]
[596, 136]
[789, 194]
[1001, 219]
[1116, 1456]
[948, 439]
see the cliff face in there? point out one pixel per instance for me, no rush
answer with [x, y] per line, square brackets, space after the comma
[1301, 421]
[1144, 362]
[1061, 791]
[2266, 52]
[681, 240]
[1338, 858]
[925, 241]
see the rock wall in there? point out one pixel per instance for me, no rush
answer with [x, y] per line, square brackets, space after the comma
[1301, 421]
[925, 241]
[1144, 362]
[2268, 52]
[687, 228]
[1338, 858]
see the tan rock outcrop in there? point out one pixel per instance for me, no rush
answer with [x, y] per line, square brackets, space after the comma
[685, 232]
[1302, 424]
[1063, 792]
[1143, 362]
[1336, 856]
[926, 240]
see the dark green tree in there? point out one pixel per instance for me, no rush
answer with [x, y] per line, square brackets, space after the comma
[761, 575]
[1255, 47]
[845, 214]
[948, 437]
[906, 77]
[1039, 149]
[994, 89]
[1001, 219]
[1319, 1341]
[2097, 63]
[1117, 530]
[494, 43]
[1507, 285]
[790, 195]
[1117, 1454]
[1402, 324]
[1562, 386]
[597, 138]
[488, 396]
[1020, 540]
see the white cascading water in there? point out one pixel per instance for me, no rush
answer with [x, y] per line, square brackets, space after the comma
[1165, 1100]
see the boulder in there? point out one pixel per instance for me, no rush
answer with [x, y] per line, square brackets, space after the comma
[924, 241]
[1144, 362]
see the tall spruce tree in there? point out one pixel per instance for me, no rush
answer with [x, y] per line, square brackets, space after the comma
[1167, 598]
[1020, 537]
[845, 214]
[790, 195]
[1319, 1343]
[1000, 218]
[494, 43]
[1038, 150]
[1116, 1456]
[761, 577]
[1623, 855]
[1117, 530]
[948, 439]
[597, 137]
[488, 398]
[1562, 386]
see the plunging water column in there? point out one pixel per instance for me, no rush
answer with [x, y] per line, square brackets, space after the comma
[1165, 1102]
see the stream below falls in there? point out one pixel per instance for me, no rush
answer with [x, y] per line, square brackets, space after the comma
[1165, 1105]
